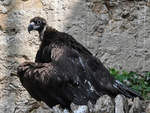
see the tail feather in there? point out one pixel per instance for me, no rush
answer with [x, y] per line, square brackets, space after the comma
[123, 89]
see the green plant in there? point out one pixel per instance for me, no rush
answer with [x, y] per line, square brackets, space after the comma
[140, 83]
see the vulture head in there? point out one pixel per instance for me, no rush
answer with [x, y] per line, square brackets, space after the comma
[38, 24]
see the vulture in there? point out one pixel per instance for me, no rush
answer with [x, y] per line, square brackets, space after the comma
[64, 71]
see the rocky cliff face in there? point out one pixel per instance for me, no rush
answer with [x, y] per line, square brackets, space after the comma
[116, 31]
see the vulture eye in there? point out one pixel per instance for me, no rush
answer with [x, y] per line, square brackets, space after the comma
[38, 22]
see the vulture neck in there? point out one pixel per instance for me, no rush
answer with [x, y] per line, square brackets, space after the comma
[42, 32]
[45, 33]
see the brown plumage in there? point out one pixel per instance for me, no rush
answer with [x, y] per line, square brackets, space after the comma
[65, 71]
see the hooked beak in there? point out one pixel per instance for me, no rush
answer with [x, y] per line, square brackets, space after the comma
[31, 26]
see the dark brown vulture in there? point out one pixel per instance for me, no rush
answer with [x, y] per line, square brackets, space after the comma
[65, 71]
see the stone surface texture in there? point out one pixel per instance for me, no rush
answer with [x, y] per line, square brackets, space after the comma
[116, 31]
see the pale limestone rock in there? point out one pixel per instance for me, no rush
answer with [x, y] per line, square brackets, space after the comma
[121, 105]
[6, 2]
[79, 109]
[3, 9]
[148, 108]
[104, 105]
[136, 106]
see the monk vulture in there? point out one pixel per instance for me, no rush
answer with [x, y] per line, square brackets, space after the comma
[64, 71]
